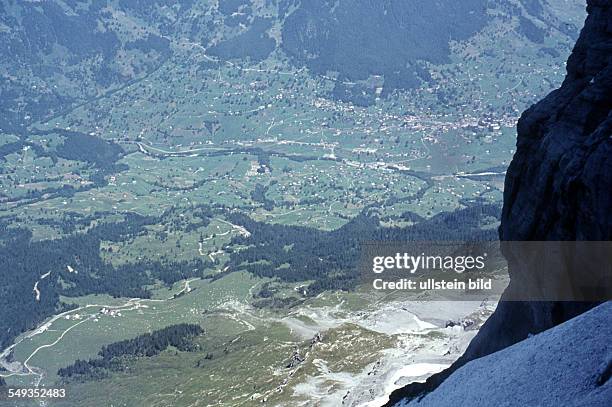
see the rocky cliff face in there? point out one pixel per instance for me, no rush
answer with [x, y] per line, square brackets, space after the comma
[558, 186]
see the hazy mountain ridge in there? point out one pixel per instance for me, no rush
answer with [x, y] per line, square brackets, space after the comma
[395, 38]
[60, 53]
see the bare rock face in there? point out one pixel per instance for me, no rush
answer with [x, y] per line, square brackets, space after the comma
[558, 186]
[559, 183]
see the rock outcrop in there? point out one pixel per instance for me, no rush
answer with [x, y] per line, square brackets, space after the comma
[558, 186]
[559, 183]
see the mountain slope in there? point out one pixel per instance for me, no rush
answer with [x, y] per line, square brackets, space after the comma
[59, 54]
[568, 365]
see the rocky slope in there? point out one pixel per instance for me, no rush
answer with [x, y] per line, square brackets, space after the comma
[568, 365]
[558, 187]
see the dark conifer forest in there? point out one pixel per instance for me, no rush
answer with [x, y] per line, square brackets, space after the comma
[113, 356]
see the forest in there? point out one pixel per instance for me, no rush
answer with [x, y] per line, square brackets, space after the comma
[295, 253]
[24, 261]
[113, 357]
[361, 38]
[290, 253]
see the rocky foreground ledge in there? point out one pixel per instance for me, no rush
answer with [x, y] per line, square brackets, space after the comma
[569, 365]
